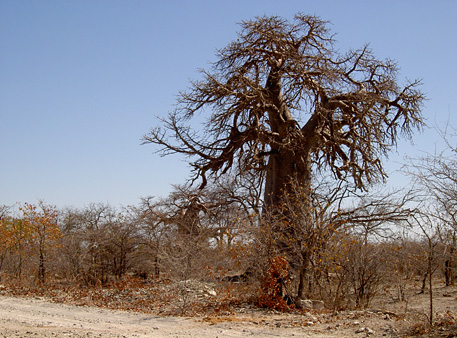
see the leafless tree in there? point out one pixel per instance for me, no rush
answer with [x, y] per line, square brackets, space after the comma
[4, 211]
[282, 98]
[428, 228]
[435, 176]
[4, 234]
[99, 243]
[286, 104]
[190, 228]
[152, 234]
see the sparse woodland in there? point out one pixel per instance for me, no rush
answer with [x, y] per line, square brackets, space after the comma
[285, 202]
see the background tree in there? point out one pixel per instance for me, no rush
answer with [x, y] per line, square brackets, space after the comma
[435, 176]
[428, 228]
[4, 211]
[15, 240]
[6, 235]
[191, 228]
[109, 243]
[153, 232]
[41, 222]
[72, 251]
[21, 240]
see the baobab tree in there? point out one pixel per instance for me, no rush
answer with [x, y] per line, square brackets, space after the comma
[284, 102]
[281, 97]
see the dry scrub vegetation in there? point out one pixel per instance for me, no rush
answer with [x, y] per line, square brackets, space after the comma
[373, 267]
[230, 275]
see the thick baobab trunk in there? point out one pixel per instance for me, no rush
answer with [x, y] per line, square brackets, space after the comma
[279, 178]
[287, 165]
[289, 169]
[288, 178]
[287, 173]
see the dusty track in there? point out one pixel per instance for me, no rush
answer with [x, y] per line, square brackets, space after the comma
[36, 317]
[23, 317]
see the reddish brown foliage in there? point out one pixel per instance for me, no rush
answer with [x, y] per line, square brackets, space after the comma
[276, 279]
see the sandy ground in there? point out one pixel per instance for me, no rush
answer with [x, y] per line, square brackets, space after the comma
[21, 317]
[24, 317]
[35, 317]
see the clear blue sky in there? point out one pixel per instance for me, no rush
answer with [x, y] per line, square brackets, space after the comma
[81, 82]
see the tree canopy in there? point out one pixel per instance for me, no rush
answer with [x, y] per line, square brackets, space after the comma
[282, 99]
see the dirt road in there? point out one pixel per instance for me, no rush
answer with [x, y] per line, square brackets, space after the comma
[24, 317]
[35, 317]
